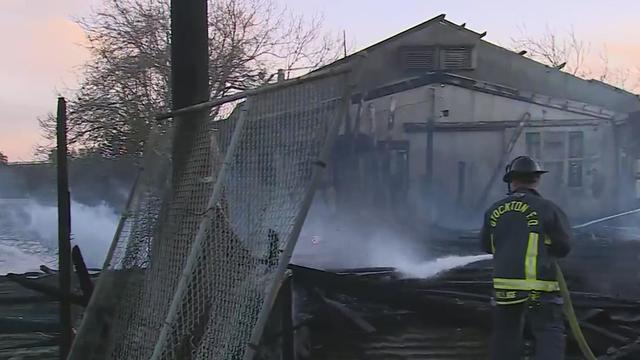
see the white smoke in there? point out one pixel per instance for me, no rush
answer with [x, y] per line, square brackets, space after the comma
[328, 241]
[16, 259]
[432, 268]
[92, 228]
[401, 255]
[29, 234]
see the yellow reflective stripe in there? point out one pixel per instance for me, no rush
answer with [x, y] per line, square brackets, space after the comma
[531, 259]
[522, 284]
[511, 302]
[493, 245]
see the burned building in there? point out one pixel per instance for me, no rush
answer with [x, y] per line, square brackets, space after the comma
[438, 113]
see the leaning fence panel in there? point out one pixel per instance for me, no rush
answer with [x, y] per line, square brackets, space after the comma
[197, 254]
[262, 192]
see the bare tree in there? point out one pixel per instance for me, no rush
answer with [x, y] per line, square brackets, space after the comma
[127, 80]
[565, 52]
[569, 53]
[625, 78]
[4, 160]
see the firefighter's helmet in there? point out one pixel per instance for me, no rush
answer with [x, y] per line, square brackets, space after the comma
[522, 165]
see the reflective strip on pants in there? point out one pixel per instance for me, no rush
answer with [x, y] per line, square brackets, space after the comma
[525, 284]
[511, 302]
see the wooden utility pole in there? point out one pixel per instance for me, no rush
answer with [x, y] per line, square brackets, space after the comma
[64, 229]
[189, 71]
[429, 158]
[344, 42]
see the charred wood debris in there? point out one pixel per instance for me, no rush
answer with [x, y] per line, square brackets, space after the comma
[29, 317]
[379, 313]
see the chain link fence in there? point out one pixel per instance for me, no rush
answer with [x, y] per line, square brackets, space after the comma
[199, 257]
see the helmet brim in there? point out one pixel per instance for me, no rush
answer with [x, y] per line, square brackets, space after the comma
[507, 177]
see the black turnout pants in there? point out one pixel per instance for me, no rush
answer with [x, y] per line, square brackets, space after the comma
[547, 327]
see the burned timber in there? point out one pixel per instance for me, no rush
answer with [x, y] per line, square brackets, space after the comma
[380, 313]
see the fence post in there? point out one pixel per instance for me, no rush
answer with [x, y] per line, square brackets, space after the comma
[64, 228]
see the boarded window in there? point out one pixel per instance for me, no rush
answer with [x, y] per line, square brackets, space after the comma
[575, 173]
[419, 58]
[533, 144]
[456, 58]
[576, 144]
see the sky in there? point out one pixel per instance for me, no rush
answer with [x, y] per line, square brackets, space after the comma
[44, 49]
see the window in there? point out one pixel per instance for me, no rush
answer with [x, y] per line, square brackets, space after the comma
[551, 148]
[555, 176]
[456, 58]
[553, 145]
[576, 154]
[575, 173]
[576, 144]
[533, 144]
[394, 171]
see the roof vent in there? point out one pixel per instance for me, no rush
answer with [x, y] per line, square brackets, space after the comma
[456, 58]
[419, 58]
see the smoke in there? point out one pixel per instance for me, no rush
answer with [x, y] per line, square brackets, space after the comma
[345, 241]
[29, 233]
[92, 228]
[431, 268]
[15, 258]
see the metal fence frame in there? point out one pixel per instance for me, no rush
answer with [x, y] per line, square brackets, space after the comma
[94, 313]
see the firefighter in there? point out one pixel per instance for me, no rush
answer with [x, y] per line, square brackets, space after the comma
[525, 233]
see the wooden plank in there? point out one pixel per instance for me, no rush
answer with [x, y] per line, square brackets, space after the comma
[83, 273]
[48, 290]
